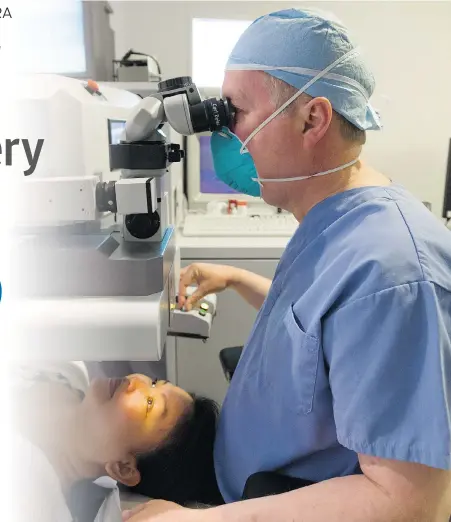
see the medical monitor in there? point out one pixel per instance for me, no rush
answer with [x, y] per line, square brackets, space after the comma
[203, 185]
[447, 197]
[73, 38]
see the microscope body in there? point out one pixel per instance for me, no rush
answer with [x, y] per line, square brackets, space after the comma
[93, 268]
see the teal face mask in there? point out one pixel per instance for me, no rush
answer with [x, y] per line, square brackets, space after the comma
[234, 166]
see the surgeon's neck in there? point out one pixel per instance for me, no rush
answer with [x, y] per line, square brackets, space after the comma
[308, 193]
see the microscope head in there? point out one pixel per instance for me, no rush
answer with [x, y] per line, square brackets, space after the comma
[178, 102]
[144, 156]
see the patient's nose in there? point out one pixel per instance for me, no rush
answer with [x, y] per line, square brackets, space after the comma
[132, 385]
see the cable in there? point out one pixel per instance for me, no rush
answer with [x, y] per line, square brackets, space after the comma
[131, 51]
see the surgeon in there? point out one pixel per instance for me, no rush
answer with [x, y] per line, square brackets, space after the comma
[345, 380]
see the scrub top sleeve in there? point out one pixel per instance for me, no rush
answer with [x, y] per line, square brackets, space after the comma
[389, 359]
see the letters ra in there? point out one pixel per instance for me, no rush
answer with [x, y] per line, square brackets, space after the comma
[5, 13]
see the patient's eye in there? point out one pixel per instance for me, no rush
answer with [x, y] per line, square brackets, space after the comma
[154, 382]
[149, 404]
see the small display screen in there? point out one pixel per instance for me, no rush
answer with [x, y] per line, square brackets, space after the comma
[115, 131]
[115, 134]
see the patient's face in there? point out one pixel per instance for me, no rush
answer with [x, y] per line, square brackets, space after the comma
[132, 415]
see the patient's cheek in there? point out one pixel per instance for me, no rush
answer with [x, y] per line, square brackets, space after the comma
[133, 406]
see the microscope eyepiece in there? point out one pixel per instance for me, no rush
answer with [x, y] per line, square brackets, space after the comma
[205, 115]
[211, 114]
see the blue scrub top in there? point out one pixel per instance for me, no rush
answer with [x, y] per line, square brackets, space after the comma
[351, 351]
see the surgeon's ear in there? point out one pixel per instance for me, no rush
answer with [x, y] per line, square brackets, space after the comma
[317, 116]
[124, 471]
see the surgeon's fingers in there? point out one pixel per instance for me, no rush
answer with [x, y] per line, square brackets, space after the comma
[129, 513]
[183, 284]
[188, 276]
[203, 290]
[151, 511]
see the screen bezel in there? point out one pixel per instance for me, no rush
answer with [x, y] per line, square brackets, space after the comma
[446, 211]
[110, 139]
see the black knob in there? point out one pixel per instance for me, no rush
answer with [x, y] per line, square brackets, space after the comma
[175, 153]
[174, 157]
[106, 196]
[143, 226]
[175, 83]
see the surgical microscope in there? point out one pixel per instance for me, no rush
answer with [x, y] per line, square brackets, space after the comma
[93, 272]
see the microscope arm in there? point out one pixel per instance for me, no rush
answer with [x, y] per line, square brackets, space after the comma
[155, 110]
[145, 119]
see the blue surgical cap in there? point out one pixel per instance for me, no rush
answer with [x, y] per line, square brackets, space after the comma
[294, 45]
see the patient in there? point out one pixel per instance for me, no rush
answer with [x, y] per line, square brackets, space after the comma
[153, 438]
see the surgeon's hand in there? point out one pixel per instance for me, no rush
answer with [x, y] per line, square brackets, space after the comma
[162, 511]
[150, 511]
[209, 278]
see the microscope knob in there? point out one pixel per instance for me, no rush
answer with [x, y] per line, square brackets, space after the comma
[175, 83]
[106, 196]
[175, 156]
[143, 226]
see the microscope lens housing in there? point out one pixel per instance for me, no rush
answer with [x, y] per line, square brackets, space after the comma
[211, 115]
[206, 115]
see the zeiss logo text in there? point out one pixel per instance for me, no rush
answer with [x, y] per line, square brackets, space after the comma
[216, 114]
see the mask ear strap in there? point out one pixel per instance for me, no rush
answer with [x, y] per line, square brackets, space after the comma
[297, 94]
[300, 178]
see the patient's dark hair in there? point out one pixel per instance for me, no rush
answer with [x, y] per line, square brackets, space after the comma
[182, 470]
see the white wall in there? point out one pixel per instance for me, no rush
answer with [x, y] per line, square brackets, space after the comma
[408, 45]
